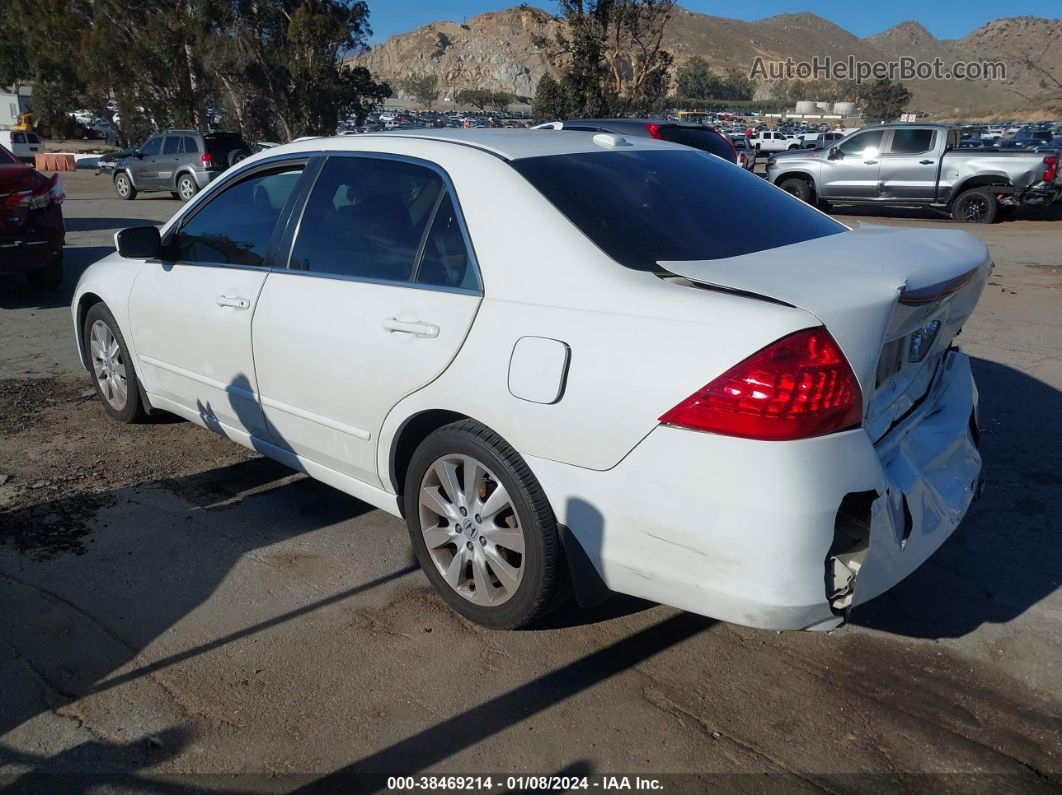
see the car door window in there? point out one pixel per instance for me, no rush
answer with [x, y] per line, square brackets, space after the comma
[190, 146]
[860, 144]
[173, 143]
[445, 261]
[151, 146]
[366, 217]
[910, 142]
[236, 226]
[18, 138]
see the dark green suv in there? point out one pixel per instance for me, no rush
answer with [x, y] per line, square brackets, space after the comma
[179, 161]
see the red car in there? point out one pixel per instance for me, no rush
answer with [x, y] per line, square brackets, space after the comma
[31, 223]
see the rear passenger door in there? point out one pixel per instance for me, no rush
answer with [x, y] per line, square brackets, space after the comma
[381, 290]
[168, 160]
[909, 165]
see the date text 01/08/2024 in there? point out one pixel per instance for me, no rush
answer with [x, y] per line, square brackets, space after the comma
[521, 783]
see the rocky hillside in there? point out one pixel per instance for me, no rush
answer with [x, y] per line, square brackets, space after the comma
[499, 50]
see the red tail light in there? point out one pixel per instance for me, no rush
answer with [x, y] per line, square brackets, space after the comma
[1050, 168]
[798, 387]
[36, 198]
[208, 159]
[654, 131]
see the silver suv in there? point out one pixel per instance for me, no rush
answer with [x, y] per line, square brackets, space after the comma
[179, 161]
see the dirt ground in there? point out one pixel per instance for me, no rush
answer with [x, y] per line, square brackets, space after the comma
[178, 614]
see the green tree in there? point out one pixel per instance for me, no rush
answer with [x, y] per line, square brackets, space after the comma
[883, 100]
[695, 79]
[478, 98]
[422, 87]
[550, 102]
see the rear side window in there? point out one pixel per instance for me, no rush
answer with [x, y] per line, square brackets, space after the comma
[236, 226]
[643, 207]
[190, 146]
[910, 142]
[172, 145]
[445, 261]
[705, 140]
[366, 217]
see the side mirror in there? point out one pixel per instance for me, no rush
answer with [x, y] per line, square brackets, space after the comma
[835, 154]
[139, 242]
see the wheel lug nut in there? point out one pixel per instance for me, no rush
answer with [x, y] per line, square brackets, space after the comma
[464, 512]
[483, 540]
[478, 520]
[469, 545]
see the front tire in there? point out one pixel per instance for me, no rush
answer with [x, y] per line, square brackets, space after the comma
[800, 188]
[482, 528]
[975, 206]
[123, 186]
[111, 366]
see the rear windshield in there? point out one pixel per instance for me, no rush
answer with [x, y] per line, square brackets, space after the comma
[7, 159]
[702, 139]
[644, 207]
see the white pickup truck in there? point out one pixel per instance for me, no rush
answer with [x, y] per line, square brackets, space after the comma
[919, 164]
[771, 141]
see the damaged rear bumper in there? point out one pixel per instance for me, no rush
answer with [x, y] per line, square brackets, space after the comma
[776, 535]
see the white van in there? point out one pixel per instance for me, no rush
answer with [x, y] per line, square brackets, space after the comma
[23, 145]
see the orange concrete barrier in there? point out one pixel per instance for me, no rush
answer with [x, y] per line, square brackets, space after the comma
[54, 161]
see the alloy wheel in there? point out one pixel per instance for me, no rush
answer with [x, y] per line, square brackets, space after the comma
[974, 208]
[109, 365]
[186, 189]
[123, 185]
[471, 530]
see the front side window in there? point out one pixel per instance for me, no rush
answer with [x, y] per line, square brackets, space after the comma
[236, 226]
[151, 146]
[18, 138]
[865, 144]
[367, 217]
[649, 207]
[911, 142]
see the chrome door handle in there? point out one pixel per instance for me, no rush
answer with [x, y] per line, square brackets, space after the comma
[925, 162]
[870, 162]
[235, 302]
[416, 328]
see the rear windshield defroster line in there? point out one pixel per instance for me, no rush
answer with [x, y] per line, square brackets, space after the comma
[645, 207]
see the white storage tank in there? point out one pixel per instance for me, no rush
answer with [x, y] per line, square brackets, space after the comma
[806, 106]
[844, 108]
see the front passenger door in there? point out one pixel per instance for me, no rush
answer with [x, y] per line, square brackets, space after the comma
[191, 311]
[145, 166]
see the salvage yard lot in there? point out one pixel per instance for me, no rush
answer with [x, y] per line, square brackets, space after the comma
[174, 607]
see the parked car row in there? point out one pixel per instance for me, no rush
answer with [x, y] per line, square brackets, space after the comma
[602, 408]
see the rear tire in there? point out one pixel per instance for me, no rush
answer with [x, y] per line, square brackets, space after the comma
[186, 187]
[503, 569]
[124, 187]
[50, 276]
[111, 366]
[236, 155]
[975, 206]
[800, 188]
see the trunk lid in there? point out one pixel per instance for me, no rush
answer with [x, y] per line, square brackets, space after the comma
[892, 297]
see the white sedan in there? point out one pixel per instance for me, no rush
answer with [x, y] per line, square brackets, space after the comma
[567, 362]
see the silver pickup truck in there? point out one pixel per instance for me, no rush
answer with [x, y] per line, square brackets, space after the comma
[919, 164]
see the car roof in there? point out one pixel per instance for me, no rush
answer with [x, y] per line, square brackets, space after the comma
[508, 144]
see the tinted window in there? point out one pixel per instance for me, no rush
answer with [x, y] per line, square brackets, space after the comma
[173, 143]
[190, 145]
[223, 142]
[911, 142]
[33, 138]
[858, 144]
[643, 207]
[235, 227]
[445, 261]
[7, 158]
[366, 217]
[151, 146]
[702, 139]
[18, 138]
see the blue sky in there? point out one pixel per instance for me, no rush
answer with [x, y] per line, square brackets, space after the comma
[945, 19]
